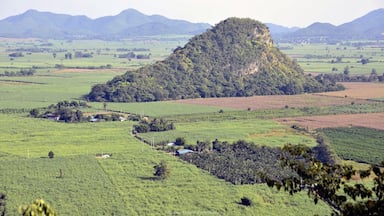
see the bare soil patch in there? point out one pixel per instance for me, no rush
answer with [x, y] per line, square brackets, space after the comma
[369, 120]
[275, 101]
[359, 90]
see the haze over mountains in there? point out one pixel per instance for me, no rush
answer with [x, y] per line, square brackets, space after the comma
[130, 23]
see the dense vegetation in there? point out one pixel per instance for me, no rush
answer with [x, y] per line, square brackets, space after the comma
[240, 162]
[21, 72]
[156, 124]
[330, 183]
[235, 58]
[62, 111]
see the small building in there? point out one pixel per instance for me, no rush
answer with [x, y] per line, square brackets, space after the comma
[183, 152]
[171, 144]
[52, 116]
[93, 119]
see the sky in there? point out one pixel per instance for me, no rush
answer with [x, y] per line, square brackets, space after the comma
[289, 13]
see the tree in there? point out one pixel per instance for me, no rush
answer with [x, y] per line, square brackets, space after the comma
[37, 208]
[246, 201]
[364, 61]
[346, 70]
[34, 113]
[325, 181]
[51, 154]
[3, 199]
[162, 170]
[180, 141]
[203, 146]
[373, 77]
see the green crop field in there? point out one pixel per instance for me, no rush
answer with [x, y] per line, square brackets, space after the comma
[261, 132]
[356, 143]
[322, 58]
[122, 184]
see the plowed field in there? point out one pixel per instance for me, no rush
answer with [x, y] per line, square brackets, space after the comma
[355, 93]
[274, 102]
[359, 90]
[369, 120]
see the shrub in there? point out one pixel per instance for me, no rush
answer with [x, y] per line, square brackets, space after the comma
[180, 141]
[246, 201]
[161, 170]
[51, 154]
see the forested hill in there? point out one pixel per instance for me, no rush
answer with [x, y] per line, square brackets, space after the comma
[234, 58]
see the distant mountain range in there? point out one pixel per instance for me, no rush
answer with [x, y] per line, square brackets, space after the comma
[369, 26]
[128, 23]
[131, 23]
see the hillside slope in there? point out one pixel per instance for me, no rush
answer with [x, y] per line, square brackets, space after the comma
[235, 58]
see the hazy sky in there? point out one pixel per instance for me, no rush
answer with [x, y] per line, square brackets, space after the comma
[283, 12]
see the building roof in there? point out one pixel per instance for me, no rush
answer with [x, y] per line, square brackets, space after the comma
[183, 151]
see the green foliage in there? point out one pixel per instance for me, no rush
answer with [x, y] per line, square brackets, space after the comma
[240, 162]
[21, 72]
[235, 58]
[325, 182]
[180, 141]
[51, 154]
[63, 110]
[155, 125]
[246, 201]
[3, 204]
[162, 170]
[38, 208]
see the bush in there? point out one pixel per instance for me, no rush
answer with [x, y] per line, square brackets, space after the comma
[180, 141]
[51, 154]
[246, 201]
[161, 170]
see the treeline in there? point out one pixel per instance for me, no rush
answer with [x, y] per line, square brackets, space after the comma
[235, 58]
[62, 111]
[156, 125]
[132, 55]
[345, 77]
[134, 50]
[62, 66]
[21, 72]
[241, 162]
[35, 50]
